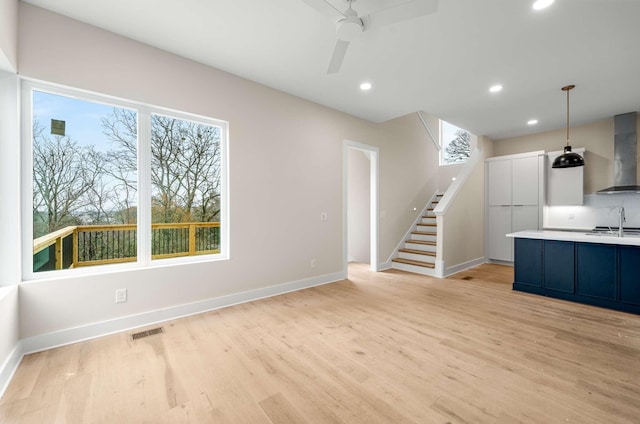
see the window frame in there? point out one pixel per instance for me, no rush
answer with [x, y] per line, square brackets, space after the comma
[144, 185]
[443, 147]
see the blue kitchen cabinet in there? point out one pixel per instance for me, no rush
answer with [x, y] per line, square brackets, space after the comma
[559, 266]
[630, 275]
[596, 266]
[528, 257]
[601, 274]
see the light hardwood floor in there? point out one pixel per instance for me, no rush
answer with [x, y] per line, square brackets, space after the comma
[387, 347]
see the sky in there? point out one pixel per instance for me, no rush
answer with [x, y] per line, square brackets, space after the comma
[448, 132]
[82, 118]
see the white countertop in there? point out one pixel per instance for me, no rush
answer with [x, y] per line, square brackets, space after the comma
[577, 236]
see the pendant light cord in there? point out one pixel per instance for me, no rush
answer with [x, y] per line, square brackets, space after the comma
[567, 89]
[567, 117]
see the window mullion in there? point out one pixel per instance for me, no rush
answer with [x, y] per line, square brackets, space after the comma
[144, 187]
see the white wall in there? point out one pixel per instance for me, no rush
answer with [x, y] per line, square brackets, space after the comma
[9, 334]
[9, 225]
[8, 34]
[285, 168]
[446, 173]
[359, 206]
[9, 189]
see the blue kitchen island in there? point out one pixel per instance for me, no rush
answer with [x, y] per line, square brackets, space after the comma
[601, 270]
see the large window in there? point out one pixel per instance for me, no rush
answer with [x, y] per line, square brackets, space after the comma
[455, 144]
[113, 182]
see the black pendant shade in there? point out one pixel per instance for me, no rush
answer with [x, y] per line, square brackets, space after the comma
[568, 159]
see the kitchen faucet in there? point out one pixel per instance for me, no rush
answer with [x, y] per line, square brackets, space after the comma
[621, 220]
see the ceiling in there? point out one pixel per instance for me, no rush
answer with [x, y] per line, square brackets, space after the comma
[443, 63]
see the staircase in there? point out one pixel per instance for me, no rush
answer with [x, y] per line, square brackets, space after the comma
[419, 252]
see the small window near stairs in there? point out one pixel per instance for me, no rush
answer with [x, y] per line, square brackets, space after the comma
[455, 142]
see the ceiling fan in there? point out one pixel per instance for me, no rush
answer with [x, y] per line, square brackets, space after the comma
[349, 25]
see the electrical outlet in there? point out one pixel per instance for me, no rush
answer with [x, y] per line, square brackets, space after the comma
[313, 263]
[323, 216]
[121, 295]
[572, 215]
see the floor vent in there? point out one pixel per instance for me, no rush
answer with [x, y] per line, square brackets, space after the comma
[467, 278]
[147, 333]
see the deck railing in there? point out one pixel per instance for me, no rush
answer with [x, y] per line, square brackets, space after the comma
[89, 245]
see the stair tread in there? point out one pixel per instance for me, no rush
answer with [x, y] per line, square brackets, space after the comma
[416, 263]
[426, 224]
[417, 252]
[424, 233]
[428, 243]
[429, 217]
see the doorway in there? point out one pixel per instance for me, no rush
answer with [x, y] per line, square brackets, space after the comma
[360, 200]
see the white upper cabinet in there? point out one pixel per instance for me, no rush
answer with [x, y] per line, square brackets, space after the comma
[565, 186]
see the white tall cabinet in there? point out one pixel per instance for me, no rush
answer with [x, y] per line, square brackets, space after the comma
[515, 195]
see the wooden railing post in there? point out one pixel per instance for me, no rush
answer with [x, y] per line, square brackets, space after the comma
[74, 259]
[59, 253]
[192, 239]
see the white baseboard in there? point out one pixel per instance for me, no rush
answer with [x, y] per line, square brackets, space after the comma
[463, 266]
[385, 265]
[9, 367]
[90, 331]
[499, 262]
[439, 269]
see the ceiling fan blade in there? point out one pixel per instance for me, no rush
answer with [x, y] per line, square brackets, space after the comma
[338, 56]
[324, 7]
[402, 12]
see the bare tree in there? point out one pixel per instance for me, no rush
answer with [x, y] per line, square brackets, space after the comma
[185, 165]
[199, 161]
[99, 196]
[62, 178]
[121, 127]
[459, 149]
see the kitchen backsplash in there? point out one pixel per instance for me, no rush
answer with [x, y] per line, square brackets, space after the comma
[598, 209]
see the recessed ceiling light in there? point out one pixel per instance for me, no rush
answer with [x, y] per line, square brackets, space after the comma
[542, 4]
[532, 121]
[495, 88]
[365, 86]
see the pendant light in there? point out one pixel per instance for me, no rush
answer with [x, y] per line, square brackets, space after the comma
[568, 159]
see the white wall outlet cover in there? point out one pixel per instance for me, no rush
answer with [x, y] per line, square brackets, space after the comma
[121, 295]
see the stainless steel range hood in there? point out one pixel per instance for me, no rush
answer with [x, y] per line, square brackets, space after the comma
[625, 153]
